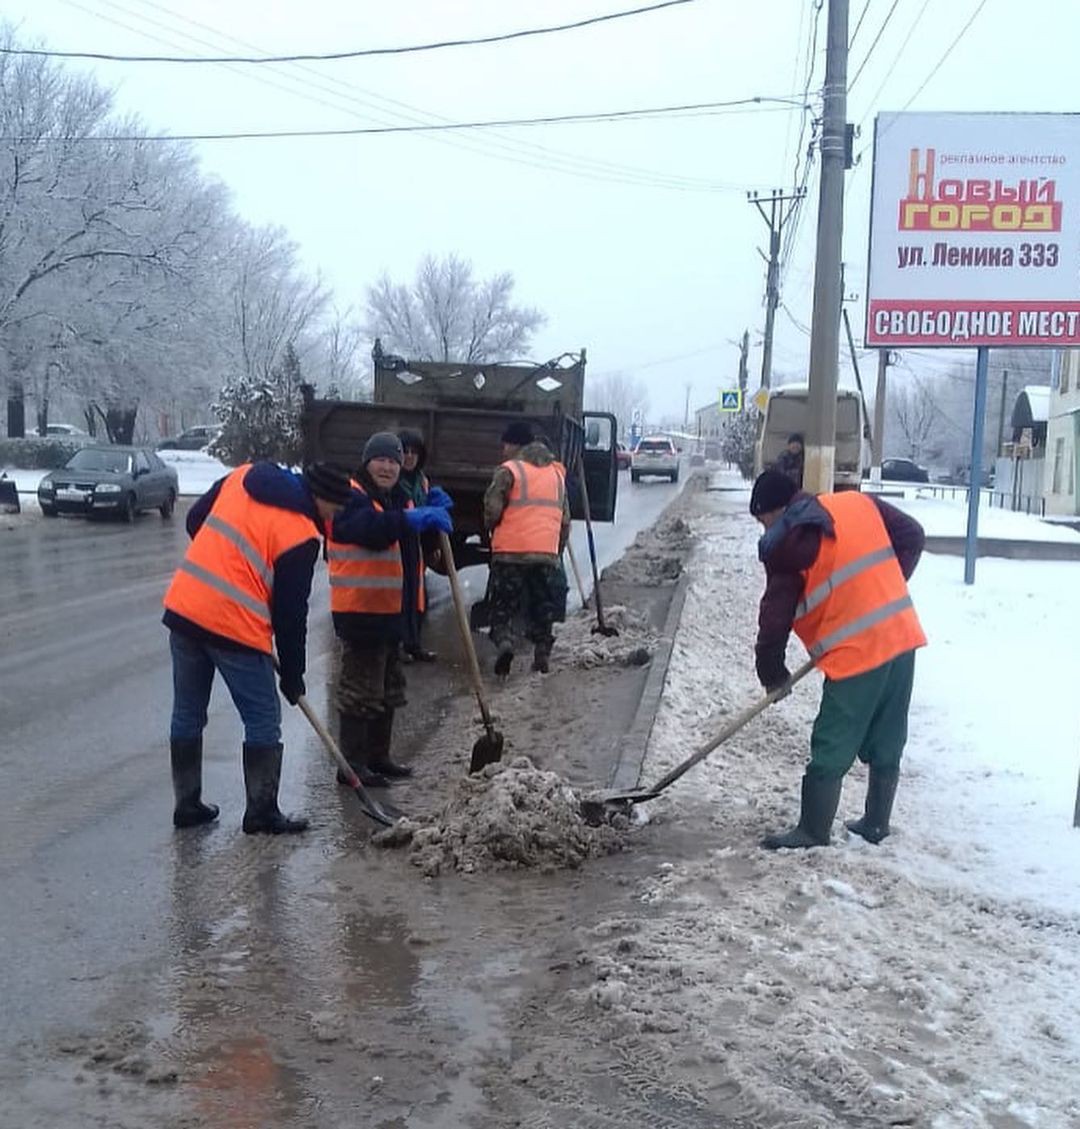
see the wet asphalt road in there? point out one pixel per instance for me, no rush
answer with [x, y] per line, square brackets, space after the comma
[89, 865]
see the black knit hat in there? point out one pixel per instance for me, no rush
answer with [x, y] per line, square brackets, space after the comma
[518, 434]
[383, 445]
[329, 482]
[772, 491]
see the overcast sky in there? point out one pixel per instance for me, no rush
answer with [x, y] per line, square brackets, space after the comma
[655, 277]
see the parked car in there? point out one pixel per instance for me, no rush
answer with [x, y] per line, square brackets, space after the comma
[657, 456]
[110, 480]
[191, 438]
[622, 456]
[903, 470]
[62, 429]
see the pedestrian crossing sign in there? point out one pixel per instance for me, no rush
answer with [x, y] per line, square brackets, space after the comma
[731, 401]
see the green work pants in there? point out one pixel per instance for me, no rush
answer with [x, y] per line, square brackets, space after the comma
[865, 716]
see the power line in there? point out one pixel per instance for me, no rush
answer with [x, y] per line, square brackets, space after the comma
[896, 58]
[337, 56]
[870, 49]
[691, 109]
[948, 51]
[859, 23]
[500, 146]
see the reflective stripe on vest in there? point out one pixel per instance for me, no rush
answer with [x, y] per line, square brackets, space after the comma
[225, 582]
[365, 581]
[856, 613]
[532, 519]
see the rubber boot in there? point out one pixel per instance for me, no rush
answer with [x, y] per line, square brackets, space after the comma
[820, 797]
[262, 778]
[190, 811]
[541, 655]
[880, 793]
[504, 661]
[382, 729]
[355, 732]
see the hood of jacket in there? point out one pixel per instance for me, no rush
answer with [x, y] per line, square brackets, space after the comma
[803, 510]
[273, 485]
[536, 453]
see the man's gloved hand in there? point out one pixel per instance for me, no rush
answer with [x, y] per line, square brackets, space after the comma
[292, 688]
[424, 518]
[772, 671]
[437, 496]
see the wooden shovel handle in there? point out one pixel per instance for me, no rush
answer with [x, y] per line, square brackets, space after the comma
[464, 629]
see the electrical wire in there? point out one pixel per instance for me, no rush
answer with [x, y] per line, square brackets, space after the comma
[859, 23]
[896, 58]
[500, 147]
[336, 56]
[870, 49]
[736, 105]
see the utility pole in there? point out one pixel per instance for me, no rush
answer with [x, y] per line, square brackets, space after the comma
[877, 440]
[820, 449]
[1001, 413]
[744, 358]
[686, 411]
[776, 216]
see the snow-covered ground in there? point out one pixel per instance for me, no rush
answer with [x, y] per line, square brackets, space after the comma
[931, 980]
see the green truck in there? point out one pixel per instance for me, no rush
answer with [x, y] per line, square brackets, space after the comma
[461, 410]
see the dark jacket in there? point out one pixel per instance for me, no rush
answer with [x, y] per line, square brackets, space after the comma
[498, 494]
[273, 486]
[360, 523]
[790, 465]
[791, 546]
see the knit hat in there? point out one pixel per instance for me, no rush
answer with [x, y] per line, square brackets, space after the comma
[329, 482]
[772, 491]
[383, 445]
[795, 437]
[518, 434]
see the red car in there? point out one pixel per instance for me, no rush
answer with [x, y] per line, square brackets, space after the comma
[622, 457]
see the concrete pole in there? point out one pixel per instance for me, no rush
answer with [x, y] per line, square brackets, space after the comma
[772, 298]
[879, 416]
[820, 451]
[1001, 414]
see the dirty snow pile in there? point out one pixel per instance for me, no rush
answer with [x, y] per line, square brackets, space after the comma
[579, 645]
[656, 556]
[929, 981]
[507, 816]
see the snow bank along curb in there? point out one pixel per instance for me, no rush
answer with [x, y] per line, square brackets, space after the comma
[1006, 547]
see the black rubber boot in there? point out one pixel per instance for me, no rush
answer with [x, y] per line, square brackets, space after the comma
[541, 655]
[504, 661]
[880, 793]
[820, 797]
[262, 778]
[190, 811]
[355, 733]
[382, 729]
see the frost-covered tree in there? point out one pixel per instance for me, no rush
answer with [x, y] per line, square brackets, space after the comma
[619, 394]
[445, 314]
[260, 416]
[738, 439]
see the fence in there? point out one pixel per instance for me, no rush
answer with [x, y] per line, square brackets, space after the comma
[1002, 499]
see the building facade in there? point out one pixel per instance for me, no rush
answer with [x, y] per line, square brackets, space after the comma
[1062, 473]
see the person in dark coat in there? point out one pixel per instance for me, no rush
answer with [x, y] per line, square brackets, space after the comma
[790, 462]
[374, 555]
[836, 569]
[414, 482]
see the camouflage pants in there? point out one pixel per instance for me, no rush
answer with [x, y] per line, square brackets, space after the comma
[370, 680]
[531, 591]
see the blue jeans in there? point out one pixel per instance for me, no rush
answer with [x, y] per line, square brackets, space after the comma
[249, 677]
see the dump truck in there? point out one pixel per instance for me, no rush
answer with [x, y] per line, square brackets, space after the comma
[462, 410]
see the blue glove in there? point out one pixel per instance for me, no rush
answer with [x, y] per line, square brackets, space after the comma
[437, 496]
[424, 518]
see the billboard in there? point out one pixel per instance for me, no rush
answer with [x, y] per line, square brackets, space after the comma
[975, 231]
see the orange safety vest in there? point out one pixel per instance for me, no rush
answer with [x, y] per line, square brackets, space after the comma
[532, 519]
[856, 612]
[226, 579]
[368, 581]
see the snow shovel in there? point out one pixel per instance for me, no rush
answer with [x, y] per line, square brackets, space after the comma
[600, 627]
[382, 813]
[596, 809]
[577, 575]
[489, 746]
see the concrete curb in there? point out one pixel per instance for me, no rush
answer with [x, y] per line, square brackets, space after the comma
[1007, 547]
[626, 771]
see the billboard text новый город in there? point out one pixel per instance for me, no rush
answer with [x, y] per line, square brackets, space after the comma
[975, 231]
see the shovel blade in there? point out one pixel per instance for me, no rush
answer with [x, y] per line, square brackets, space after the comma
[604, 629]
[487, 750]
[597, 810]
[386, 814]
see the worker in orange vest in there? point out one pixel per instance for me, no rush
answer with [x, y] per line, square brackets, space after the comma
[836, 569]
[242, 587]
[374, 555]
[528, 517]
